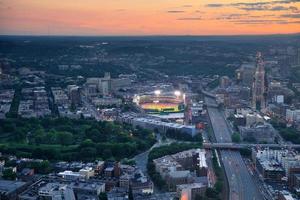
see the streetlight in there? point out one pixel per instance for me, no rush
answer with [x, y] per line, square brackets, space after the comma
[177, 93]
[157, 92]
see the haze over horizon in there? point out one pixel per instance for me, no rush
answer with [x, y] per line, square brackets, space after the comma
[141, 17]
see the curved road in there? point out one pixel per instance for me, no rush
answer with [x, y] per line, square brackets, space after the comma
[142, 158]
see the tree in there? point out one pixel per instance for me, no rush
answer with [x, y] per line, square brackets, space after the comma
[245, 152]
[9, 174]
[53, 139]
[87, 143]
[218, 186]
[211, 193]
[199, 197]
[39, 136]
[65, 138]
[127, 161]
[19, 135]
[8, 127]
[107, 153]
[93, 134]
[88, 153]
[236, 138]
[102, 196]
[40, 167]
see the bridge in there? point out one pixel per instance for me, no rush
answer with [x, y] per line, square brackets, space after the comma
[206, 93]
[214, 105]
[210, 103]
[234, 146]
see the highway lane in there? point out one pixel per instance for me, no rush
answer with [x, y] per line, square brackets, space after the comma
[241, 185]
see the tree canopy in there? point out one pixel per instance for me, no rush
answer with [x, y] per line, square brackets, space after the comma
[72, 139]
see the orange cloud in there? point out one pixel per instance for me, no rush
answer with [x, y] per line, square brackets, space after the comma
[143, 17]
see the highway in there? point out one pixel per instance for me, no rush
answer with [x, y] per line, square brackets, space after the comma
[241, 185]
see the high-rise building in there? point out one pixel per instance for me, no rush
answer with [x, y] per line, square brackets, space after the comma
[74, 94]
[258, 88]
[106, 84]
[244, 75]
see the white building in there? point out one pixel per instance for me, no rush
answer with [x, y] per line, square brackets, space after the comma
[253, 118]
[71, 175]
[87, 172]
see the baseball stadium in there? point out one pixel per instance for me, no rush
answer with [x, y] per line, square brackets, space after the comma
[161, 103]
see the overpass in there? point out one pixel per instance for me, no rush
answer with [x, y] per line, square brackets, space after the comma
[233, 146]
[214, 105]
[208, 94]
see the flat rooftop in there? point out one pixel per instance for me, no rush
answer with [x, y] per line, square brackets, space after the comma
[10, 186]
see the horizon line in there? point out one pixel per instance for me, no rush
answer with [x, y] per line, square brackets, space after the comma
[150, 35]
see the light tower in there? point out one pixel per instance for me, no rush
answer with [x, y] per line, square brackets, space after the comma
[258, 89]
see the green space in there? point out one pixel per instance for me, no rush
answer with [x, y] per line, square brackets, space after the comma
[72, 139]
[288, 133]
[216, 191]
[236, 138]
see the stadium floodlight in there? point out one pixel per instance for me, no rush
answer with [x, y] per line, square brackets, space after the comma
[157, 92]
[177, 93]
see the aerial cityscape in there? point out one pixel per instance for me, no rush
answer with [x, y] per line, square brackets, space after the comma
[147, 100]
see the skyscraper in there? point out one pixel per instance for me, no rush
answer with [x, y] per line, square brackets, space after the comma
[106, 84]
[258, 89]
[244, 75]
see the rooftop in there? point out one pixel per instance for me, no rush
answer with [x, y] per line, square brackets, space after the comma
[10, 186]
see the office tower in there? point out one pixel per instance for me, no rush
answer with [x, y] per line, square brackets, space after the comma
[244, 75]
[258, 89]
[106, 84]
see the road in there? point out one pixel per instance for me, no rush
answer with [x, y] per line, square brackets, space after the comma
[142, 158]
[241, 185]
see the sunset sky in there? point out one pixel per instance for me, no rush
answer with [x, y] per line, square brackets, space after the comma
[148, 17]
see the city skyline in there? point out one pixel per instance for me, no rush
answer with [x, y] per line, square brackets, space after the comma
[140, 17]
